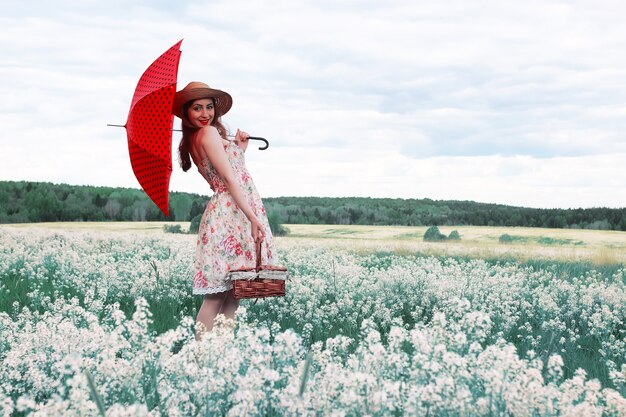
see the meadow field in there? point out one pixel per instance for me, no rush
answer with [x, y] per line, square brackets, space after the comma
[98, 319]
[598, 247]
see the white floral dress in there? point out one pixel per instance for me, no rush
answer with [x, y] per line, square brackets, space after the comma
[224, 240]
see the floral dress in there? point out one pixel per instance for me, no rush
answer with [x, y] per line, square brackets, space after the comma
[225, 241]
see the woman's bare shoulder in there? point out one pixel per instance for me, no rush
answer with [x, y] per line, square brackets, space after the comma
[206, 141]
[207, 133]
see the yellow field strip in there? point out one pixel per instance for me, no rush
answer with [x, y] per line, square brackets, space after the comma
[600, 247]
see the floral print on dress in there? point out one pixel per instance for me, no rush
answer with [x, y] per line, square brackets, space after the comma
[224, 240]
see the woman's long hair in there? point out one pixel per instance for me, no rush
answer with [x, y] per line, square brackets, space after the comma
[183, 148]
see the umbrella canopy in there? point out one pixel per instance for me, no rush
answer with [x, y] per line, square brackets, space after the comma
[149, 126]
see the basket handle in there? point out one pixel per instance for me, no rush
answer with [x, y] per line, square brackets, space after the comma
[258, 255]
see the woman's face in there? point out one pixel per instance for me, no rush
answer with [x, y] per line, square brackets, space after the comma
[201, 112]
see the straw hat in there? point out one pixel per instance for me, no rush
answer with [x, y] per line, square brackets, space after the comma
[196, 90]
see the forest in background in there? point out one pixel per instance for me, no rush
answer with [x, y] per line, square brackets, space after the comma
[28, 202]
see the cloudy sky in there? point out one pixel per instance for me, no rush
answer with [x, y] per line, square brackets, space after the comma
[520, 103]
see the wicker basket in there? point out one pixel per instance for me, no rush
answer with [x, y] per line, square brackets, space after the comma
[262, 281]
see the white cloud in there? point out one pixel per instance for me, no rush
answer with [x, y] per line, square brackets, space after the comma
[376, 97]
[519, 180]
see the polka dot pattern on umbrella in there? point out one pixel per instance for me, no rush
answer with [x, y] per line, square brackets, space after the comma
[163, 71]
[153, 174]
[149, 126]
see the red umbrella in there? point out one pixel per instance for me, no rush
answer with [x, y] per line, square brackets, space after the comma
[149, 126]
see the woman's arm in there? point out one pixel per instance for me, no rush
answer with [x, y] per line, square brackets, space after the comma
[210, 140]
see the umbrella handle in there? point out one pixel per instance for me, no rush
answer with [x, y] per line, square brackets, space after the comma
[262, 148]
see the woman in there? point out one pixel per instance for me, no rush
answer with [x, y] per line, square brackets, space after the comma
[234, 219]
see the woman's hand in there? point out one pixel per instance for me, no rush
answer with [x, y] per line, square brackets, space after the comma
[241, 139]
[257, 230]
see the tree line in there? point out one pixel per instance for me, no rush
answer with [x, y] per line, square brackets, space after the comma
[25, 202]
[427, 212]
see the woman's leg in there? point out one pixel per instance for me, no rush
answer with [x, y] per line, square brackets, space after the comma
[230, 305]
[212, 305]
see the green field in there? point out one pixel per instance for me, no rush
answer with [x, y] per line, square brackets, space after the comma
[375, 322]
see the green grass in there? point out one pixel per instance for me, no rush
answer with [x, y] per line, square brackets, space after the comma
[341, 232]
[410, 236]
[570, 270]
[506, 238]
[542, 240]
